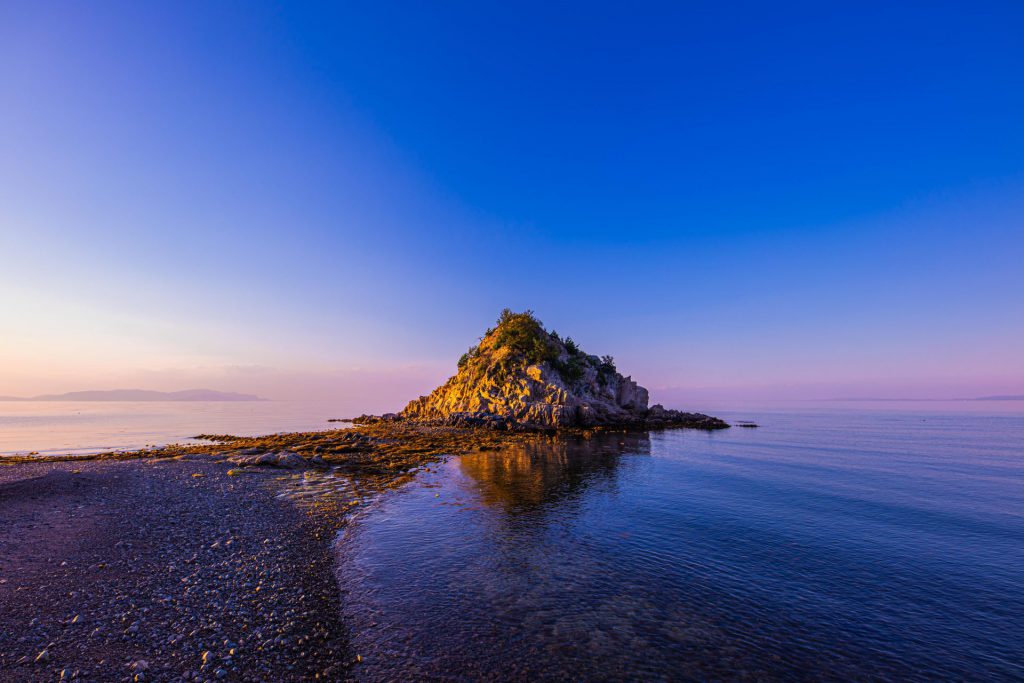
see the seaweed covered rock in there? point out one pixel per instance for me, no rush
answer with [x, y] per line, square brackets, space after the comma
[521, 375]
[283, 459]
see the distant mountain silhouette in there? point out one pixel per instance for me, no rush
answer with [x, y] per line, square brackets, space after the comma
[141, 395]
[1011, 397]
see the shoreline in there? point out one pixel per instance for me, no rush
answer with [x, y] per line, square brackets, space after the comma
[375, 441]
[180, 563]
[196, 562]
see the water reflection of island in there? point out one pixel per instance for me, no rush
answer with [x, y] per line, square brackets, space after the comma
[532, 475]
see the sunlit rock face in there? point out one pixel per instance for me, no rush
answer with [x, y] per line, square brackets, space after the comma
[521, 374]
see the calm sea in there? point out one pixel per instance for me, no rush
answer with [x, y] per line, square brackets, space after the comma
[78, 428]
[840, 544]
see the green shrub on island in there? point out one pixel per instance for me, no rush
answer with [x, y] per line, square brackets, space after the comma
[571, 370]
[469, 355]
[524, 335]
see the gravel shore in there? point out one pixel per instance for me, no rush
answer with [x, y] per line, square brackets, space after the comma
[162, 570]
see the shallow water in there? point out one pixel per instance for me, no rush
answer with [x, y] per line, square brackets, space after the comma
[840, 545]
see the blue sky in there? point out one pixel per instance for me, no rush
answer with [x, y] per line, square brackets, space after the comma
[735, 200]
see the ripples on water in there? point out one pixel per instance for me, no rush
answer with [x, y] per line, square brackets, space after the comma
[821, 546]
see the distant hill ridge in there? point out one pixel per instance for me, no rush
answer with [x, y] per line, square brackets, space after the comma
[521, 375]
[141, 395]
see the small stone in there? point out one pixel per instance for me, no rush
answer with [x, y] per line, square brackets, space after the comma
[43, 656]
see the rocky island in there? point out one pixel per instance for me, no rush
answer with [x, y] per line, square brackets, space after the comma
[522, 376]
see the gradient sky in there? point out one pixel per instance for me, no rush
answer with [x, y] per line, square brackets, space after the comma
[735, 200]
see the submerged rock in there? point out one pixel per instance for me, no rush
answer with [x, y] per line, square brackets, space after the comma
[522, 376]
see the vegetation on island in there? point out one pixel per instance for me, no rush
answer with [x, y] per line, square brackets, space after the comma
[530, 343]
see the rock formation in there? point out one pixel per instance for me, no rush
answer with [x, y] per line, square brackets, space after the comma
[521, 375]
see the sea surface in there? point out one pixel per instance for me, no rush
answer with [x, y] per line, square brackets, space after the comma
[81, 428]
[843, 543]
